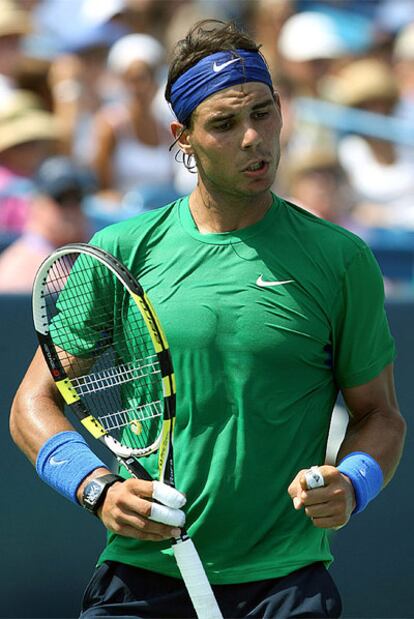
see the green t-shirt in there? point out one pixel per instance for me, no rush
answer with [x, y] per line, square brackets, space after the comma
[258, 368]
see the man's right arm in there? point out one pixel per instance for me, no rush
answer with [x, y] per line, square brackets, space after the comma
[37, 416]
[37, 410]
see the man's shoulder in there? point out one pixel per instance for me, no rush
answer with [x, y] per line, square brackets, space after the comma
[323, 232]
[134, 229]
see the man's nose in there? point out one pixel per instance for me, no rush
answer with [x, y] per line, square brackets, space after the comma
[251, 137]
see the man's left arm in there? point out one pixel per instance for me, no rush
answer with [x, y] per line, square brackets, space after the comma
[375, 425]
[367, 459]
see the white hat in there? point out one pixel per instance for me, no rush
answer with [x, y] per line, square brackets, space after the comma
[310, 36]
[135, 47]
[100, 11]
[404, 43]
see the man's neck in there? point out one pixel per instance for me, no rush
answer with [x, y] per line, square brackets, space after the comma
[213, 213]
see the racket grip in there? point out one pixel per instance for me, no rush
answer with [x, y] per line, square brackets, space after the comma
[195, 580]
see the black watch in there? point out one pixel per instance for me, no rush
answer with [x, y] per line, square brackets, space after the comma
[95, 491]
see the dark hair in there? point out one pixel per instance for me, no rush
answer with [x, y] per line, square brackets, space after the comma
[205, 37]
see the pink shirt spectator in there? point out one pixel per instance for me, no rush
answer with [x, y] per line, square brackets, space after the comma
[14, 201]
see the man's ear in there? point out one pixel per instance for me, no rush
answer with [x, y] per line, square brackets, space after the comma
[182, 138]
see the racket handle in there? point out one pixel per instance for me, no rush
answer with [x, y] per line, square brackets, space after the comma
[195, 580]
[188, 561]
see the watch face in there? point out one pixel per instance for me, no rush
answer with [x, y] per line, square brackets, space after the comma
[95, 491]
[92, 492]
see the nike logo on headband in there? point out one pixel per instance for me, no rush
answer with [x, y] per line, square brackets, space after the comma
[219, 67]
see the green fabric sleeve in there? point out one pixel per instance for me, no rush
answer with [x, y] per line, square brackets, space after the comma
[363, 344]
[86, 297]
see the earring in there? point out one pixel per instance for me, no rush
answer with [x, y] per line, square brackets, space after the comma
[187, 160]
[190, 163]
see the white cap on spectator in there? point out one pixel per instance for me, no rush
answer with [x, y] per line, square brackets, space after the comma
[310, 36]
[135, 47]
[404, 43]
[100, 11]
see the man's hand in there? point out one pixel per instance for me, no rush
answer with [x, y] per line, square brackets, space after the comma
[329, 507]
[128, 510]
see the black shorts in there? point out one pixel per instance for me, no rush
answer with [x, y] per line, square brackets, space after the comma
[118, 590]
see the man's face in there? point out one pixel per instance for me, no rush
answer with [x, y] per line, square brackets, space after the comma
[235, 139]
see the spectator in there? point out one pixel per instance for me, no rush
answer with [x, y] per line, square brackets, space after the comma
[403, 68]
[28, 135]
[382, 179]
[310, 50]
[131, 144]
[14, 23]
[96, 12]
[139, 16]
[267, 21]
[390, 16]
[317, 183]
[55, 218]
[403, 57]
[151, 16]
[309, 45]
[79, 82]
[32, 75]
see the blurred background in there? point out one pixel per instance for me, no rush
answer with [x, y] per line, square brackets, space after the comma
[84, 142]
[83, 80]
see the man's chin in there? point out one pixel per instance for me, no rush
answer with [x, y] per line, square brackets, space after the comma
[259, 188]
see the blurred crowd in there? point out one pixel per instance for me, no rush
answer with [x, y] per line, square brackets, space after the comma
[84, 127]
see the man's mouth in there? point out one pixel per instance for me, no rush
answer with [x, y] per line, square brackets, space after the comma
[256, 168]
[256, 165]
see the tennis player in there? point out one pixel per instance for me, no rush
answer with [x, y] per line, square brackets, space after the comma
[269, 311]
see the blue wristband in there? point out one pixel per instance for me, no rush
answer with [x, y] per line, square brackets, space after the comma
[64, 461]
[366, 476]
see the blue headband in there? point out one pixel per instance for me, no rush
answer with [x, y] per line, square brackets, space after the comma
[214, 73]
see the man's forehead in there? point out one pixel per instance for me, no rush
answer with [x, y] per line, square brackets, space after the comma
[237, 96]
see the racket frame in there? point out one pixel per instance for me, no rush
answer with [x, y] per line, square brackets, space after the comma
[125, 455]
[186, 555]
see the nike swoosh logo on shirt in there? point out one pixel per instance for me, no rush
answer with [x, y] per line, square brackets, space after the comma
[219, 67]
[266, 284]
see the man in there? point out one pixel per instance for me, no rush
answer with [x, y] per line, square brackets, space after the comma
[281, 309]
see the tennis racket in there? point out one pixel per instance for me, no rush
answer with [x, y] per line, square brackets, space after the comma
[109, 358]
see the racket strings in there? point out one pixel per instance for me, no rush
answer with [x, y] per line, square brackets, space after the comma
[117, 375]
[105, 348]
[127, 418]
